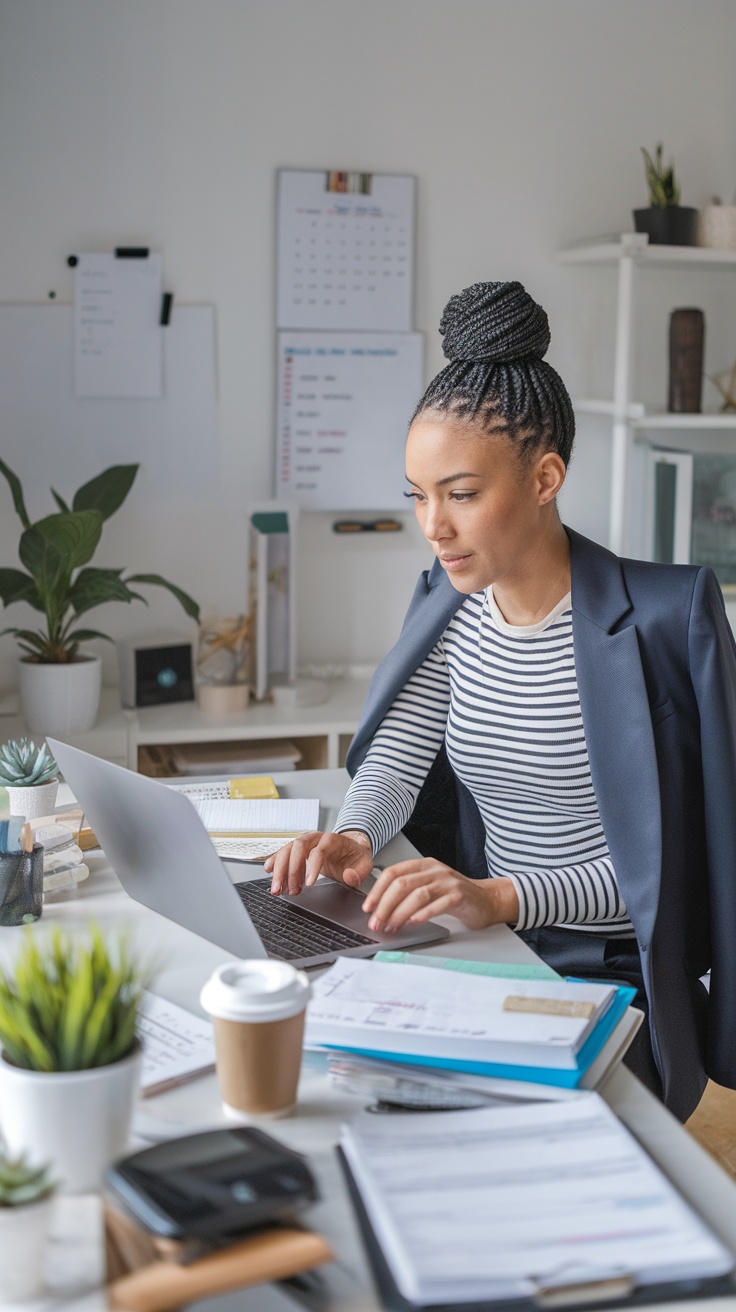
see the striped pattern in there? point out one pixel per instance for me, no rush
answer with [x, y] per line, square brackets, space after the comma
[505, 699]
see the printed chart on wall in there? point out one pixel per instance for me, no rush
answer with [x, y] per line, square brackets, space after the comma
[344, 404]
[345, 250]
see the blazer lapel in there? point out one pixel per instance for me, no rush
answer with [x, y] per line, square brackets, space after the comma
[618, 728]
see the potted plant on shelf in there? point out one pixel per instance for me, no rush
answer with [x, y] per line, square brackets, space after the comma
[666, 221]
[29, 775]
[70, 1059]
[25, 1210]
[59, 684]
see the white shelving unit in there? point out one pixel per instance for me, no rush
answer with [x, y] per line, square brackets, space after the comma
[321, 733]
[630, 255]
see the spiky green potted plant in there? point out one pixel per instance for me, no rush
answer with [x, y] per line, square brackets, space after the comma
[29, 775]
[69, 1067]
[25, 1207]
[665, 220]
[59, 681]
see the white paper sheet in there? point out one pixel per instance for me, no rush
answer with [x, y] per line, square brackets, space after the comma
[394, 1008]
[118, 339]
[176, 1044]
[261, 816]
[495, 1203]
[344, 405]
[345, 259]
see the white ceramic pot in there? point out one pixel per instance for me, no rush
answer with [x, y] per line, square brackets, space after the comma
[32, 802]
[23, 1234]
[77, 1121]
[717, 227]
[60, 699]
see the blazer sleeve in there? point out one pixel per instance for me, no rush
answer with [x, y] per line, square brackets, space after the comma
[712, 653]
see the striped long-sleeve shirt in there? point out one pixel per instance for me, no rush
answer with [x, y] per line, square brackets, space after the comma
[505, 700]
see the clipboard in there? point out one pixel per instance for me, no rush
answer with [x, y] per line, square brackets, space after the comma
[592, 1296]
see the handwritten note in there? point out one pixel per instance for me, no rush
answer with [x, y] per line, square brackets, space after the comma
[118, 340]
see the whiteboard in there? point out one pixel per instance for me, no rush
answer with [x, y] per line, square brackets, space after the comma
[345, 258]
[50, 437]
[344, 405]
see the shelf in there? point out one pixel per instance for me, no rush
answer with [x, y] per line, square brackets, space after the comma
[639, 418]
[630, 247]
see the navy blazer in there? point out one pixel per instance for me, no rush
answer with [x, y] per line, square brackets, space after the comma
[656, 669]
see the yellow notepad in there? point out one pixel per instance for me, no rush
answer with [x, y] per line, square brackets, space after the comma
[254, 787]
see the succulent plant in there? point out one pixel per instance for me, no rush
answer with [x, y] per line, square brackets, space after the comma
[663, 188]
[70, 1003]
[22, 1184]
[23, 765]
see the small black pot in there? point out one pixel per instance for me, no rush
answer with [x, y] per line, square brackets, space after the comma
[668, 225]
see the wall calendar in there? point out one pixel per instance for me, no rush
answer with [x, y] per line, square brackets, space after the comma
[345, 250]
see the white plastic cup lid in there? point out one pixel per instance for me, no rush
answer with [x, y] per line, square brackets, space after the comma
[255, 991]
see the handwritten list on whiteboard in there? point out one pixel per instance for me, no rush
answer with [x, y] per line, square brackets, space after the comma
[118, 348]
[344, 405]
[345, 256]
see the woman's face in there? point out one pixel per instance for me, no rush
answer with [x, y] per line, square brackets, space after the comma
[483, 510]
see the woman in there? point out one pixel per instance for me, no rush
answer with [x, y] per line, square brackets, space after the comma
[555, 728]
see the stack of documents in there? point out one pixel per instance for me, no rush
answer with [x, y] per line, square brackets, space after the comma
[552, 1201]
[548, 1031]
[250, 830]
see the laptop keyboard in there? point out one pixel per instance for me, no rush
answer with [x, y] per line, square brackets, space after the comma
[288, 930]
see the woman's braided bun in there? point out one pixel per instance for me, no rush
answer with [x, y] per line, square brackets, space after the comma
[494, 336]
[494, 323]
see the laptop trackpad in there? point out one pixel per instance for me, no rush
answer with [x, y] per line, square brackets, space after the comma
[335, 902]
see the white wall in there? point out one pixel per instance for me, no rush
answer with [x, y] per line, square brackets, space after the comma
[162, 122]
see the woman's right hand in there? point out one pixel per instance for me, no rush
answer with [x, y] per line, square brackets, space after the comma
[346, 857]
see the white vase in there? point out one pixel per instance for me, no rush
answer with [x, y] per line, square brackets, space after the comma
[76, 1121]
[33, 801]
[60, 699]
[23, 1234]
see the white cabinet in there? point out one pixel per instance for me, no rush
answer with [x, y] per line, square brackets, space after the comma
[630, 419]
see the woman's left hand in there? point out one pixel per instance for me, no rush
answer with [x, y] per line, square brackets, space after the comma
[422, 888]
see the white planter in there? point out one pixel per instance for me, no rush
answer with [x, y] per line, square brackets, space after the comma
[60, 699]
[32, 802]
[77, 1121]
[23, 1235]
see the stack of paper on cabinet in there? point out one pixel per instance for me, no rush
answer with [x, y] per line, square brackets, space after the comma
[554, 1202]
[543, 1030]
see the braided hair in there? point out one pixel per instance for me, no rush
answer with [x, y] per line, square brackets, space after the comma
[495, 337]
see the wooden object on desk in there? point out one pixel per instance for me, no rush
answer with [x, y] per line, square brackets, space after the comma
[145, 1276]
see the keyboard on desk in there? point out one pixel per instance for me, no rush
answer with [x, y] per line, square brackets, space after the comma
[288, 930]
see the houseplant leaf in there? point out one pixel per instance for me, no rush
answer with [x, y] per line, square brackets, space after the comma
[94, 586]
[16, 492]
[17, 586]
[52, 549]
[107, 492]
[187, 602]
[61, 503]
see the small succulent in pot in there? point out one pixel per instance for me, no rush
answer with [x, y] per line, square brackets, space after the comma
[21, 1184]
[25, 1210]
[23, 765]
[665, 221]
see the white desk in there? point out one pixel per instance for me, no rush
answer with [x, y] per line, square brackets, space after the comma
[187, 962]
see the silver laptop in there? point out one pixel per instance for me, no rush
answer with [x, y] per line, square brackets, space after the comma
[163, 857]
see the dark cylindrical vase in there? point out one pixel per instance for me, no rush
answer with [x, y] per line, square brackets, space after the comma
[668, 225]
[687, 335]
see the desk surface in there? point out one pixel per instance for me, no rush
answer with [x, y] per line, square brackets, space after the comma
[187, 961]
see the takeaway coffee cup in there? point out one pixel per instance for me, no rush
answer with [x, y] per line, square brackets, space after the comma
[257, 1009]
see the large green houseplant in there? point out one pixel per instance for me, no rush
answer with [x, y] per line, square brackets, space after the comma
[59, 582]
